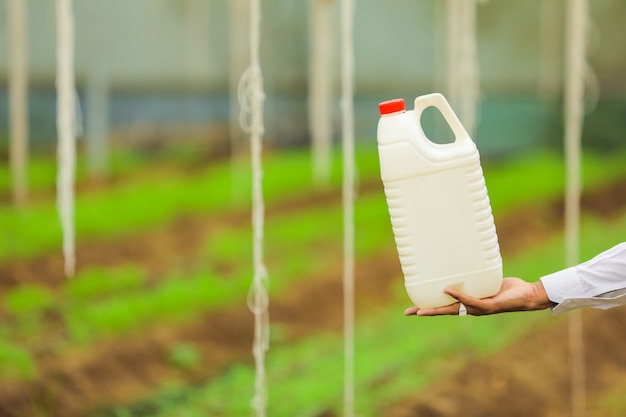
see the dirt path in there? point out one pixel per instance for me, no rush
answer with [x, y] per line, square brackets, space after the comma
[530, 378]
[120, 371]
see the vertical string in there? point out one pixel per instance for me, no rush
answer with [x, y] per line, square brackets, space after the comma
[575, 65]
[18, 102]
[347, 89]
[251, 98]
[65, 129]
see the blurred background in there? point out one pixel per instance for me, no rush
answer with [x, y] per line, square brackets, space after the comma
[169, 68]
[155, 321]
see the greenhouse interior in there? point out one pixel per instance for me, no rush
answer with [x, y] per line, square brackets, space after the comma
[254, 207]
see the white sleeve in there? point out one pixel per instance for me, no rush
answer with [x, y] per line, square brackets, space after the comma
[599, 282]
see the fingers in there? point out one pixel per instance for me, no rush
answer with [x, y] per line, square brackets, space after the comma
[467, 300]
[452, 309]
[470, 305]
[449, 310]
[411, 311]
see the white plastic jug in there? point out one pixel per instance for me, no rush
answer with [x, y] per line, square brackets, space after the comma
[438, 204]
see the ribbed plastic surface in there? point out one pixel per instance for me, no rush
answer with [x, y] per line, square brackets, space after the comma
[439, 208]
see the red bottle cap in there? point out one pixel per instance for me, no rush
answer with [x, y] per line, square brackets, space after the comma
[391, 106]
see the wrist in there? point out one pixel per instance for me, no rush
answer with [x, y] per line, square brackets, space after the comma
[539, 299]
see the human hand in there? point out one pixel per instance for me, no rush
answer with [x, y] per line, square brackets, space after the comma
[515, 295]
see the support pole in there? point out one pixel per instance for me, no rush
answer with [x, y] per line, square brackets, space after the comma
[463, 80]
[320, 89]
[576, 34]
[550, 29]
[347, 96]
[66, 96]
[238, 61]
[97, 92]
[197, 40]
[18, 100]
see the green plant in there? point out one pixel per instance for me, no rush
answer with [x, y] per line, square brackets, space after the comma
[16, 362]
[158, 198]
[100, 281]
[184, 355]
[143, 201]
[28, 300]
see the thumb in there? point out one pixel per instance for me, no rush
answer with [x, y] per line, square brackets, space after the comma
[452, 292]
[459, 296]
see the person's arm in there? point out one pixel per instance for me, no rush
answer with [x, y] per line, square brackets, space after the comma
[599, 283]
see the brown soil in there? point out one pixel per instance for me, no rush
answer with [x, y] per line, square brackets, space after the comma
[76, 382]
[532, 377]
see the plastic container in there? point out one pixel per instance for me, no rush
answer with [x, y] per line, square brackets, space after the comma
[438, 204]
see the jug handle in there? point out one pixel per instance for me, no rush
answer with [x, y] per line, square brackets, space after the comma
[439, 101]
